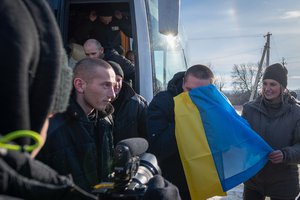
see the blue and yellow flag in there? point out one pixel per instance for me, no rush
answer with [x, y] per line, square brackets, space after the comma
[217, 147]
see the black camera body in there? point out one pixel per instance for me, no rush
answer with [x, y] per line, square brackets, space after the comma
[132, 169]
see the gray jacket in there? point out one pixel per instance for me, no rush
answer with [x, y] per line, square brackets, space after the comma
[280, 128]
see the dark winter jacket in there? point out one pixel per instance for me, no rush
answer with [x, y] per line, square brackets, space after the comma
[84, 30]
[31, 63]
[129, 115]
[161, 134]
[31, 58]
[27, 178]
[127, 67]
[109, 35]
[279, 126]
[79, 145]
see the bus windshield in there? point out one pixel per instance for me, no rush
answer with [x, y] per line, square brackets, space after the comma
[167, 51]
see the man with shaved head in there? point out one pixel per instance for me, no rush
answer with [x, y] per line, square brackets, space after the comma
[79, 140]
[94, 49]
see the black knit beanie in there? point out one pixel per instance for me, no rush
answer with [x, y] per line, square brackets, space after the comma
[276, 72]
[117, 68]
[35, 79]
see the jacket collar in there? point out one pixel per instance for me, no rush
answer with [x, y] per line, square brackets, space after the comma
[261, 106]
[75, 111]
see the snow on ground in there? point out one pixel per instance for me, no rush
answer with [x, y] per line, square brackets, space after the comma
[233, 194]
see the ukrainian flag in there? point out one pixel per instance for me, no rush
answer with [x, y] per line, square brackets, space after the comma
[217, 147]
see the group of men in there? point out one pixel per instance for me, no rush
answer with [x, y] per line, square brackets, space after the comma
[104, 110]
[85, 121]
[103, 24]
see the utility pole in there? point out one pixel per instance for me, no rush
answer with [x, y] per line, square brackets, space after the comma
[268, 48]
[283, 61]
[266, 51]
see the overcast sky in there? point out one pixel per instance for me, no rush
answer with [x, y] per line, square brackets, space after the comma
[223, 33]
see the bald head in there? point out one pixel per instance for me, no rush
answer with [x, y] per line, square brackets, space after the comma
[86, 68]
[93, 49]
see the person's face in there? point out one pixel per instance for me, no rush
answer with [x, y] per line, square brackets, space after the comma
[118, 86]
[97, 92]
[130, 57]
[105, 19]
[271, 90]
[93, 15]
[92, 51]
[192, 82]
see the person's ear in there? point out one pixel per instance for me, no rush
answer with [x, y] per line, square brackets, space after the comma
[101, 50]
[79, 85]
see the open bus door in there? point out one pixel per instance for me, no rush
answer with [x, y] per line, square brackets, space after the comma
[157, 56]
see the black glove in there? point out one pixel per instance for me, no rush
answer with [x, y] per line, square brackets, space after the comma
[161, 189]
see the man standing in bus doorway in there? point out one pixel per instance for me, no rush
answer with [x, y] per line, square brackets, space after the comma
[80, 140]
[161, 124]
[86, 27]
[94, 49]
[104, 24]
[108, 31]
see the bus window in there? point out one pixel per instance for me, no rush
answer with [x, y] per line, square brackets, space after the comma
[167, 51]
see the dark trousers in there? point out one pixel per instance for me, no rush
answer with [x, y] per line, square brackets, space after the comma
[255, 195]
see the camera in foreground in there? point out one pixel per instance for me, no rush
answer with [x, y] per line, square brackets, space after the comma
[132, 169]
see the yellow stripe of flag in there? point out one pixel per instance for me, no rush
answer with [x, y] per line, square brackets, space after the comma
[199, 168]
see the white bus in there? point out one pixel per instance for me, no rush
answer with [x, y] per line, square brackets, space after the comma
[157, 41]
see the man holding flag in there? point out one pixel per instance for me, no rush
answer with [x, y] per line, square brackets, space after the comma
[161, 124]
[203, 146]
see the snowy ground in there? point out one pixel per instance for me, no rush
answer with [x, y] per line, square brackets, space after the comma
[233, 194]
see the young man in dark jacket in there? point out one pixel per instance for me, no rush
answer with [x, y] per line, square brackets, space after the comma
[79, 141]
[161, 124]
[130, 109]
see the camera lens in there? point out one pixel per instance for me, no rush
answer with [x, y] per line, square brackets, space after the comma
[147, 169]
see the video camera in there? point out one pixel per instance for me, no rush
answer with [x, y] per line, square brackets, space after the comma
[132, 169]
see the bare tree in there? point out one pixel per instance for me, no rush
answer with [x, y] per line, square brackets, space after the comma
[243, 76]
[220, 82]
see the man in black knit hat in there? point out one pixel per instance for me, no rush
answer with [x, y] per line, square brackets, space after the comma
[130, 109]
